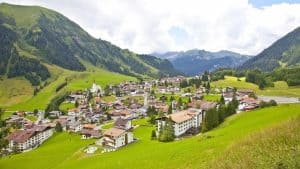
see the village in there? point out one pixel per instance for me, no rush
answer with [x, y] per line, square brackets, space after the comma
[174, 104]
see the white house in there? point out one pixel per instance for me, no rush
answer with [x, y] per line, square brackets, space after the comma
[115, 138]
[30, 138]
[183, 121]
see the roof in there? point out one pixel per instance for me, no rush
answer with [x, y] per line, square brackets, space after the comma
[21, 136]
[121, 122]
[89, 126]
[115, 132]
[204, 105]
[183, 116]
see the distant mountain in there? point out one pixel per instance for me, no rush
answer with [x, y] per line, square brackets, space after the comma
[195, 61]
[285, 52]
[32, 36]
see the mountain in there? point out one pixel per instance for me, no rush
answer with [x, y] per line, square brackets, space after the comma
[195, 61]
[32, 36]
[285, 52]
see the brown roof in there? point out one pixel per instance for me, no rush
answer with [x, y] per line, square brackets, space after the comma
[114, 132]
[121, 123]
[89, 126]
[182, 116]
[20, 136]
[204, 105]
[94, 133]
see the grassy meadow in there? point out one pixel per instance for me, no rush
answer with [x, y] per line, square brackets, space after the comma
[63, 150]
[23, 99]
[280, 88]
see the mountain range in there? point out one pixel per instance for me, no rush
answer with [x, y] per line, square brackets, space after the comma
[32, 36]
[194, 62]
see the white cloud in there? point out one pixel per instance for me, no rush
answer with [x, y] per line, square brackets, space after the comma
[144, 25]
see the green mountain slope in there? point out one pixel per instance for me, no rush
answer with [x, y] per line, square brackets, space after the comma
[35, 35]
[283, 53]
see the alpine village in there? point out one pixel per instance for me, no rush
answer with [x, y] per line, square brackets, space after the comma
[69, 100]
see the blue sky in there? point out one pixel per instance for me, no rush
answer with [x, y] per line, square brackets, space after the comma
[263, 3]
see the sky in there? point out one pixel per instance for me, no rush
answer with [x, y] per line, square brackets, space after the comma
[147, 26]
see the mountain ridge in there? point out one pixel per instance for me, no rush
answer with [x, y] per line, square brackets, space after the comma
[48, 37]
[196, 61]
[285, 52]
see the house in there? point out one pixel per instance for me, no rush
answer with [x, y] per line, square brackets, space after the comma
[228, 96]
[124, 124]
[248, 103]
[27, 139]
[74, 112]
[75, 126]
[115, 138]
[89, 133]
[203, 105]
[244, 92]
[54, 114]
[183, 121]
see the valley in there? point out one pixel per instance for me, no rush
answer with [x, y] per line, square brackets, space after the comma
[101, 94]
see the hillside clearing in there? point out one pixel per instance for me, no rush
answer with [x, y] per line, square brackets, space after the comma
[280, 88]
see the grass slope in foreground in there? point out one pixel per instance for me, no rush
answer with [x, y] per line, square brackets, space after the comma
[277, 147]
[195, 152]
[280, 88]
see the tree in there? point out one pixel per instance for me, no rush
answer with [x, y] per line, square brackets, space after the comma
[170, 109]
[153, 135]
[179, 103]
[221, 112]
[167, 131]
[35, 111]
[189, 100]
[58, 127]
[152, 119]
[222, 100]
[76, 104]
[172, 98]
[211, 120]
[106, 90]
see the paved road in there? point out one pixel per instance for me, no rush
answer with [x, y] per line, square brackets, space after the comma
[280, 99]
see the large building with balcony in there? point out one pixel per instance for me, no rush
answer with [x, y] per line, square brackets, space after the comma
[183, 121]
[27, 139]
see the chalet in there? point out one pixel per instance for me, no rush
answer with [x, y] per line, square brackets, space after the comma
[248, 103]
[29, 138]
[244, 92]
[183, 121]
[75, 126]
[124, 124]
[228, 96]
[54, 114]
[90, 131]
[74, 112]
[203, 105]
[115, 138]
[62, 121]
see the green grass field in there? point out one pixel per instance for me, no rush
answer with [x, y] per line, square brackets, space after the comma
[194, 152]
[276, 147]
[280, 88]
[212, 97]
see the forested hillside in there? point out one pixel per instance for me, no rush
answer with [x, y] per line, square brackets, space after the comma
[31, 36]
[283, 53]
